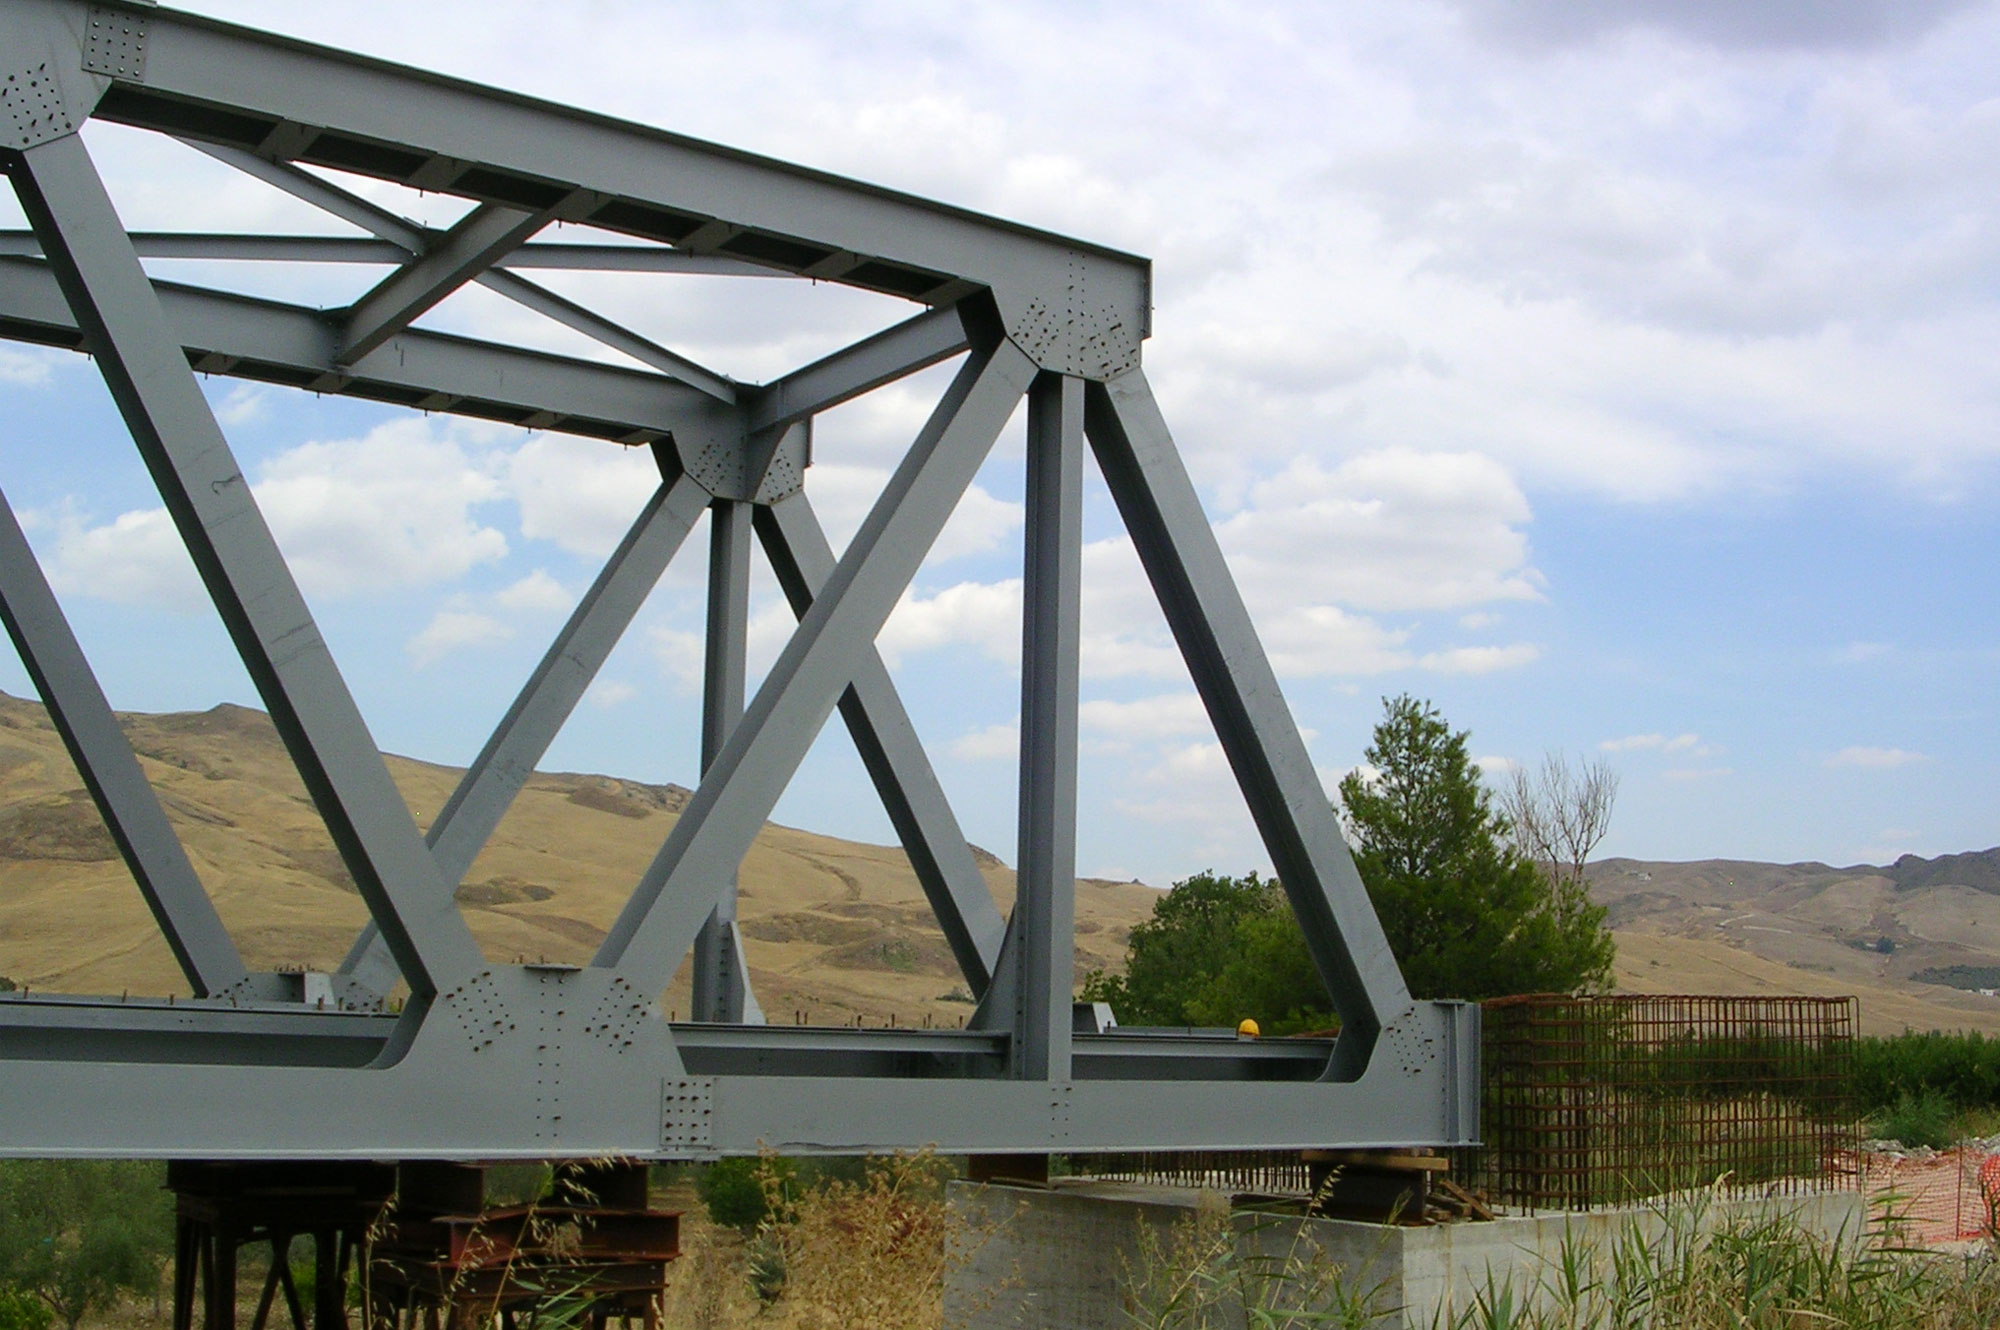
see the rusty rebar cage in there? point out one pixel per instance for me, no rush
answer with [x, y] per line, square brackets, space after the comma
[1593, 1101]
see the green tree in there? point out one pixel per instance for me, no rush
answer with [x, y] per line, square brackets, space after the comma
[1268, 976]
[77, 1233]
[1174, 956]
[1466, 914]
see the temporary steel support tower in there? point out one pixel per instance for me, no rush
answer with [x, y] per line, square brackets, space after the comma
[493, 1060]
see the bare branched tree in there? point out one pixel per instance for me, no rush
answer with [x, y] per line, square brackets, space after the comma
[1559, 812]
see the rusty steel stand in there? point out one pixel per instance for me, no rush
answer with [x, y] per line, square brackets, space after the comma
[221, 1208]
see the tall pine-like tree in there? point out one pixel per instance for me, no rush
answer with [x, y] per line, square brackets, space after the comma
[1466, 914]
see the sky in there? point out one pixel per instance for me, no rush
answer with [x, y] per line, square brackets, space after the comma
[1620, 378]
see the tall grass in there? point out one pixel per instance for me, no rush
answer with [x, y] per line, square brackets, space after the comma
[870, 1250]
[1702, 1267]
[1693, 1264]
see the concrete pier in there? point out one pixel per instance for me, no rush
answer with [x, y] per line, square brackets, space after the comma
[1067, 1257]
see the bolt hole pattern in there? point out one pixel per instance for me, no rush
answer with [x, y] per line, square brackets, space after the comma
[117, 44]
[34, 105]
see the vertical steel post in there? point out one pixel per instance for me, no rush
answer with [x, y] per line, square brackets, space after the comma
[1044, 921]
[720, 981]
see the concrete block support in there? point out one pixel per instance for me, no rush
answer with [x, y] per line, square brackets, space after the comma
[1066, 1258]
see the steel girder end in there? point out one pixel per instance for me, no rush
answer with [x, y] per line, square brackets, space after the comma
[1435, 1045]
[1071, 327]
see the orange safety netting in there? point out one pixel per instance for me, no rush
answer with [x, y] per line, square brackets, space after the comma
[1945, 1196]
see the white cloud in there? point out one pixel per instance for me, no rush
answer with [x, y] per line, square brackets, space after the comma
[1728, 24]
[1690, 744]
[453, 630]
[608, 693]
[1001, 742]
[27, 367]
[1391, 530]
[134, 559]
[679, 654]
[243, 404]
[1882, 759]
[537, 592]
[579, 493]
[1480, 660]
[1167, 715]
[842, 495]
[1857, 653]
[1493, 767]
[393, 508]
[976, 613]
[1394, 530]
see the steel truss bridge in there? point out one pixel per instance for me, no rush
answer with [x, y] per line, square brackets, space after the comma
[487, 1060]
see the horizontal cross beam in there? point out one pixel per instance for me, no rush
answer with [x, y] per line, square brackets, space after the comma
[289, 100]
[227, 247]
[249, 338]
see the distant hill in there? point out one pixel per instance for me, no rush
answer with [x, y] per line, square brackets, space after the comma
[1916, 934]
[833, 928]
[839, 929]
[1980, 871]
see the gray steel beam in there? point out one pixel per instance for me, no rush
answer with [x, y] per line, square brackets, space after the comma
[1043, 928]
[303, 184]
[249, 338]
[591, 1100]
[246, 575]
[616, 336]
[1255, 728]
[224, 247]
[891, 354]
[110, 771]
[721, 979]
[887, 741]
[152, 1031]
[211, 80]
[489, 786]
[465, 252]
[659, 922]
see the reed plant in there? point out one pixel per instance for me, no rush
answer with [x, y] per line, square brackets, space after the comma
[1692, 1262]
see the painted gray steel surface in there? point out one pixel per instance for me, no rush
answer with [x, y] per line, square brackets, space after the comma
[487, 1060]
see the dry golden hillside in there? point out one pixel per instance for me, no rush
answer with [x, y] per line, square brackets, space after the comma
[832, 928]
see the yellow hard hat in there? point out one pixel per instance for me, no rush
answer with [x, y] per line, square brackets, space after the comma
[1246, 1028]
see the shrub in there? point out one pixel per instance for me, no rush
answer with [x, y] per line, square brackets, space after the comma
[22, 1311]
[1964, 1068]
[735, 1191]
[1920, 1119]
[78, 1232]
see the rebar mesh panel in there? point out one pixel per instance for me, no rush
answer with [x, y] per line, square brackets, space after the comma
[1592, 1101]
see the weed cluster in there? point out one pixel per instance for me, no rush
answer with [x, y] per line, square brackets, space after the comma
[837, 1248]
[1692, 1263]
